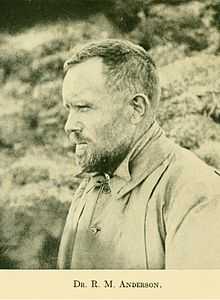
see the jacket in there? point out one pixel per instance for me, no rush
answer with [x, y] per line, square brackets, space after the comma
[160, 210]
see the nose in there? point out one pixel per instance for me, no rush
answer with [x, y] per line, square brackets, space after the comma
[72, 125]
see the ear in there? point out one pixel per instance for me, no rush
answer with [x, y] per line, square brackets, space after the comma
[140, 106]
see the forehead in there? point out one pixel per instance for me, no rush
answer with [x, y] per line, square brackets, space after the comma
[85, 77]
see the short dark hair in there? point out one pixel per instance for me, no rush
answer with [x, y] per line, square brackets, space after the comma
[129, 67]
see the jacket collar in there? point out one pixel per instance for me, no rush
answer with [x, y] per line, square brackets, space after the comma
[154, 149]
[125, 169]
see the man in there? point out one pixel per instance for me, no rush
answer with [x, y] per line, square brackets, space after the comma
[146, 202]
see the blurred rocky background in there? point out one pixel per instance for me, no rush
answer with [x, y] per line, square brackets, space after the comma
[36, 162]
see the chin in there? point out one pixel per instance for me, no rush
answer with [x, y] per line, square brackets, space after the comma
[85, 166]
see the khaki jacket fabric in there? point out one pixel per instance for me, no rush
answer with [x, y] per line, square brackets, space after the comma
[161, 210]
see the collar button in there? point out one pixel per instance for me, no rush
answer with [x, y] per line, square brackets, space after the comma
[95, 229]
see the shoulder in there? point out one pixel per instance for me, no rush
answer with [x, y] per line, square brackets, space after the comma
[189, 171]
[189, 185]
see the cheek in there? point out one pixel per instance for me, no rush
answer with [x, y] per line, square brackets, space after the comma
[96, 131]
[102, 128]
[114, 131]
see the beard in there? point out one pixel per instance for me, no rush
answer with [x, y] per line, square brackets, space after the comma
[100, 160]
[104, 155]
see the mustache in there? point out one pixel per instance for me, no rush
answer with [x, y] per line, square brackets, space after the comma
[77, 138]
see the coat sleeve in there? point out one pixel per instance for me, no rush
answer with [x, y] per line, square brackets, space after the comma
[193, 224]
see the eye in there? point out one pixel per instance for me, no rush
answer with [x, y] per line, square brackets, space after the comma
[83, 108]
[78, 107]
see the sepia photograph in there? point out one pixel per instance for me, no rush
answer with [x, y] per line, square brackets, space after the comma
[110, 136]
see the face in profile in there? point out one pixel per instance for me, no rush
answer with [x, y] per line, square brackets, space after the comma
[98, 124]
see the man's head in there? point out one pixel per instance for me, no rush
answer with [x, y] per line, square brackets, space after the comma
[111, 91]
